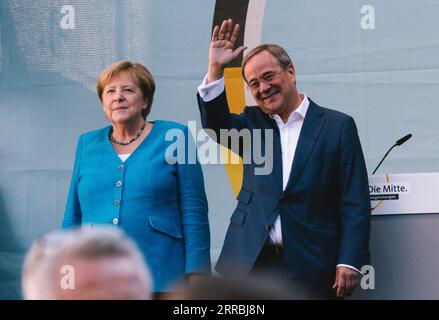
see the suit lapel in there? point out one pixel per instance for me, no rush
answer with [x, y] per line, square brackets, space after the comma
[277, 159]
[274, 180]
[312, 126]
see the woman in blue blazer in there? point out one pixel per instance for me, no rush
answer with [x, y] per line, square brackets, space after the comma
[125, 175]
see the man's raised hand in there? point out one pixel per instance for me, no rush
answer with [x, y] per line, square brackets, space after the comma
[222, 49]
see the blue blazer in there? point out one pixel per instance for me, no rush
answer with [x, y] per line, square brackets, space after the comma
[325, 208]
[162, 206]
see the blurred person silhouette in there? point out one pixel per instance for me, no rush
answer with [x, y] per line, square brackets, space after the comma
[260, 286]
[99, 263]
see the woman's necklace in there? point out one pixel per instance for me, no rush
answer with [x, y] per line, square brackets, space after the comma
[139, 133]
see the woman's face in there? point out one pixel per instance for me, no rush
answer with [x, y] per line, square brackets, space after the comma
[123, 100]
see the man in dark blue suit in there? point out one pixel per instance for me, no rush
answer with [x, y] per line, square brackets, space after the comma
[309, 219]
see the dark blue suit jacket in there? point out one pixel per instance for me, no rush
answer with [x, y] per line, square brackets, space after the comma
[325, 209]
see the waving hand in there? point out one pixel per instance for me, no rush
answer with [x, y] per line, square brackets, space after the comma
[222, 49]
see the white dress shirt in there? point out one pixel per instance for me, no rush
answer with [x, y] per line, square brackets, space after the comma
[289, 136]
[124, 156]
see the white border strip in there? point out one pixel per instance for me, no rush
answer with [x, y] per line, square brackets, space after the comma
[253, 35]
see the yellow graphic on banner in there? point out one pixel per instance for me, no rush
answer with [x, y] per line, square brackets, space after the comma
[381, 201]
[236, 99]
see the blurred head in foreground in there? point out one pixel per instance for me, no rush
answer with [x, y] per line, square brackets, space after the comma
[88, 264]
[245, 288]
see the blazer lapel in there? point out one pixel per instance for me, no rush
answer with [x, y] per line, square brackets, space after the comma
[273, 182]
[312, 126]
[277, 159]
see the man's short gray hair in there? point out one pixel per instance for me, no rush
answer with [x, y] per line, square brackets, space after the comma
[42, 260]
[276, 51]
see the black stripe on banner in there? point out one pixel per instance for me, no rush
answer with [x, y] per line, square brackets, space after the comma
[236, 10]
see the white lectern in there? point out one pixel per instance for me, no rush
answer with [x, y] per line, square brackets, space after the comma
[404, 193]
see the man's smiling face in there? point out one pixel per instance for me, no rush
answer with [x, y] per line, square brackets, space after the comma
[272, 87]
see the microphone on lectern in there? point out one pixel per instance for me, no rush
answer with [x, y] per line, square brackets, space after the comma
[397, 143]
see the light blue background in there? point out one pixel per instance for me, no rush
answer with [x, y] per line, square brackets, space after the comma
[387, 79]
